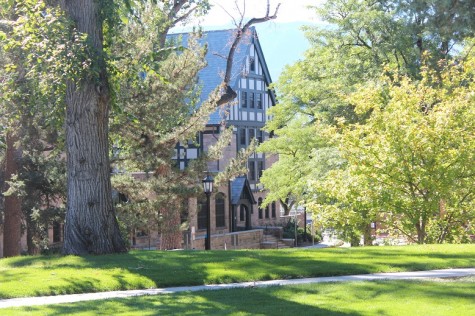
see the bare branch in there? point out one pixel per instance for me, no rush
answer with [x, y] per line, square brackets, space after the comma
[230, 94]
[229, 14]
[241, 14]
[184, 16]
[219, 55]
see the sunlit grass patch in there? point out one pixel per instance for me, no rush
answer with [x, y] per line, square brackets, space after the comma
[52, 275]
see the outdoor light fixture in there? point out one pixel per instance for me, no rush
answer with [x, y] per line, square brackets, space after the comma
[208, 188]
[208, 184]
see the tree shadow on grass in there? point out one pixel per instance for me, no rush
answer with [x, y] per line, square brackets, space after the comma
[145, 269]
[334, 299]
[249, 301]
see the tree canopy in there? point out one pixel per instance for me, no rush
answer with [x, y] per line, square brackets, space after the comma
[345, 90]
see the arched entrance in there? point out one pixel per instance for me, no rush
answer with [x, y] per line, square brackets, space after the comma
[241, 204]
[244, 217]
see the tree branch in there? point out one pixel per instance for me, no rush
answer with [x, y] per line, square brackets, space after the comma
[230, 94]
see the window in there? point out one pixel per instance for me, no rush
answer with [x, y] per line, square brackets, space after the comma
[267, 211]
[252, 101]
[252, 170]
[252, 134]
[202, 214]
[242, 136]
[259, 101]
[274, 215]
[243, 99]
[260, 168]
[252, 64]
[259, 205]
[219, 210]
[260, 136]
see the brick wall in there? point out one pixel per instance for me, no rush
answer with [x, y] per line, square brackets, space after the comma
[250, 239]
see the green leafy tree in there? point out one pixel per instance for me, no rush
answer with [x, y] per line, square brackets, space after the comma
[36, 182]
[363, 40]
[286, 179]
[69, 48]
[412, 160]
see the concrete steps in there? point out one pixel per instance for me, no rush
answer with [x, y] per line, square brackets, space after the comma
[272, 242]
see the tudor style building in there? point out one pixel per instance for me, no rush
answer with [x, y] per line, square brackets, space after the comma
[236, 206]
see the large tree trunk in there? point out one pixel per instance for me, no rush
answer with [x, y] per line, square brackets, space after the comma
[91, 225]
[171, 235]
[421, 231]
[367, 237]
[12, 212]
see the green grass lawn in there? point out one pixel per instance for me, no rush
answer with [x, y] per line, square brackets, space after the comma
[52, 275]
[435, 297]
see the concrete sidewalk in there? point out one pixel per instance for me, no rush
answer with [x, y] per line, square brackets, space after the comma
[45, 300]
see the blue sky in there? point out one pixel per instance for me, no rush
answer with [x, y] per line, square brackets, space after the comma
[281, 39]
[283, 44]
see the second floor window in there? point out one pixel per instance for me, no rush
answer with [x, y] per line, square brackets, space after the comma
[252, 101]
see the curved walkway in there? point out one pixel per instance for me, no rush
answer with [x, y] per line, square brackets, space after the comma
[45, 300]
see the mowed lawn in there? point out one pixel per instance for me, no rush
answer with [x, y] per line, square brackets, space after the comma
[52, 275]
[435, 297]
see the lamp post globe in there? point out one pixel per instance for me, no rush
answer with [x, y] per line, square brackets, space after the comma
[208, 184]
[208, 189]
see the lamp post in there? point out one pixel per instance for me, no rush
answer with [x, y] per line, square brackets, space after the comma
[208, 188]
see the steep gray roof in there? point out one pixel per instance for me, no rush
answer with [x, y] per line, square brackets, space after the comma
[239, 186]
[219, 43]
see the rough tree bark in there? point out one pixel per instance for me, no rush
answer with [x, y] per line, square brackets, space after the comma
[91, 225]
[12, 211]
[171, 235]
